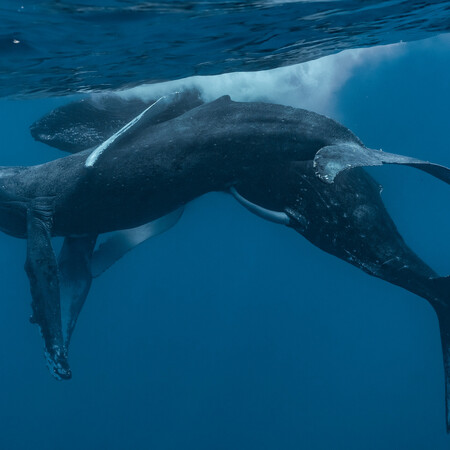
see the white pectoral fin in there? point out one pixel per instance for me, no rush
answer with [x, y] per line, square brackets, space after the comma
[331, 160]
[92, 158]
[267, 214]
[145, 116]
[123, 241]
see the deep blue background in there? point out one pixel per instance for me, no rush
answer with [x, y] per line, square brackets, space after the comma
[229, 332]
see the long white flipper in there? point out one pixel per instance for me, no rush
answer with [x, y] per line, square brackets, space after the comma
[153, 109]
[267, 214]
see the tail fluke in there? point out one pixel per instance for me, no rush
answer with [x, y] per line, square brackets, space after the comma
[441, 304]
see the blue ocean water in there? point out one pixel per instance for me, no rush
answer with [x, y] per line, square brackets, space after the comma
[60, 47]
[231, 332]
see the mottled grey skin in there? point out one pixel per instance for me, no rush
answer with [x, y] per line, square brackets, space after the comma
[159, 168]
[268, 153]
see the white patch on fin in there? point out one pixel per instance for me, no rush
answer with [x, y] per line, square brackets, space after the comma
[92, 158]
[267, 214]
[331, 160]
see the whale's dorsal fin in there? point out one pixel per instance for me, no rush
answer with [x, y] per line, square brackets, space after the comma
[121, 242]
[334, 159]
[87, 123]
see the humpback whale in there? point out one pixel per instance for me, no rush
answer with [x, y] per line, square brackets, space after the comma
[135, 165]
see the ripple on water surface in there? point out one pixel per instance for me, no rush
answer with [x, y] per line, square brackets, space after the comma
[55, 48]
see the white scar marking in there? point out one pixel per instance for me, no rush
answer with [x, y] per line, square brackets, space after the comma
[272, 216]
[92, 158]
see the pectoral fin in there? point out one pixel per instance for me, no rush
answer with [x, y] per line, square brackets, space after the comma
[123, 241]
[142, 121]
[42, 271]
[333, 159]
[74, 263]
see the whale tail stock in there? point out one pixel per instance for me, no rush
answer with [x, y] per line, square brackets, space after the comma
[436, 291]
[334, 160]
[368, 238]
[440, 300]
[348, 219]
